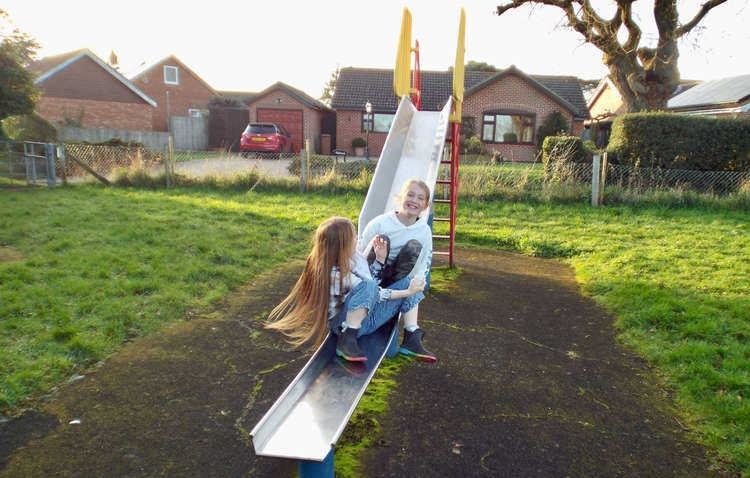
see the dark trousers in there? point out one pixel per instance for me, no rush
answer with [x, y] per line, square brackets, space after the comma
[401, 265]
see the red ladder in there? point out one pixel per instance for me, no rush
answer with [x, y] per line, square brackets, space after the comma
[452, 200]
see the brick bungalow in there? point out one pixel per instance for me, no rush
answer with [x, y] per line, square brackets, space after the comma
[506, 107]
[300, 114]
[178, 90]
[79, 89]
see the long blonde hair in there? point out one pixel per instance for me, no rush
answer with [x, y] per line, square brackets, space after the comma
[303, 315]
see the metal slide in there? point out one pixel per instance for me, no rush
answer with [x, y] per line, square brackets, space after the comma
[413, 149]
[308, 418]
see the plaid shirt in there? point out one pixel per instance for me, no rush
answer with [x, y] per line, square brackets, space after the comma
[360, 271]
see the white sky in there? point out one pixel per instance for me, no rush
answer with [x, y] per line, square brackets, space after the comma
[249, 45]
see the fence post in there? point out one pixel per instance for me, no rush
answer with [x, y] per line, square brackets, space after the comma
[309, 159]
[63, 162]
[302, 170]
[10, 159]
[595, 177]
[603, 183]
[49, 155]
[168, 162]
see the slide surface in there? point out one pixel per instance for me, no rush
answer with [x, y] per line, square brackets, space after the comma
[310, 415]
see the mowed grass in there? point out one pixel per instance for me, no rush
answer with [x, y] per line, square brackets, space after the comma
[677, 281]
[84, 269]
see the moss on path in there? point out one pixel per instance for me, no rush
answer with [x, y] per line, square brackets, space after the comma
[529, 382]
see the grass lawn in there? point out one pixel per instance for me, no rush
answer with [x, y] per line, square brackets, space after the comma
[84, 269]
[676, 279]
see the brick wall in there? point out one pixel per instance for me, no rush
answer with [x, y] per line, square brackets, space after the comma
[514, 93]
[191, 93]
[349, 126]
[96, 114]
[87, 80]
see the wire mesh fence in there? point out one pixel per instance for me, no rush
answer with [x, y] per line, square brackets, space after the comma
[74, 162]
[27, 161]
[78, 161]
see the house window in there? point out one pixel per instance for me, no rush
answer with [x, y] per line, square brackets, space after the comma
[194, 113]
[377, 122]
[507, 127]
[171, 75]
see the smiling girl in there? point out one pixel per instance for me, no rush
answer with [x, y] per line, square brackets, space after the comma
[397, 244]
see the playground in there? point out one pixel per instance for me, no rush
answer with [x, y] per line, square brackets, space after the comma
[530, 379]
[526, 384]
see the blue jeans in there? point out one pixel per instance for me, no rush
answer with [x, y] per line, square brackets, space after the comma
[366, 295]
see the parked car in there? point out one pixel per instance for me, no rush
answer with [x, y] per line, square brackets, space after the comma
[266, 137]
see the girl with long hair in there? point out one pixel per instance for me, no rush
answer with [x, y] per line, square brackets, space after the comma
[337, 290]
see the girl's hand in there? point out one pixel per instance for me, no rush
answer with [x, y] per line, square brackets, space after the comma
[380, 248]
[416, 285]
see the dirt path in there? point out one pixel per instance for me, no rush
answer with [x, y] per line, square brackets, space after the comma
[529, 382]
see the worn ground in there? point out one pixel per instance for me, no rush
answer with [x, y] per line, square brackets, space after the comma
[530, 382]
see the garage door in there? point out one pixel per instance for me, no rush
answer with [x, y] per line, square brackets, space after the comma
[291, 120]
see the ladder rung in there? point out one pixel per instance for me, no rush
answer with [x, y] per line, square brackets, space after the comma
[446, 162]
[441, 236]
[442, 201]
[443, 181]
[441, 219]
[441, 253]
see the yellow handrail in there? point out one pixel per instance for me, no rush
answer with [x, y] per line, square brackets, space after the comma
[458, 69]
[402, 72]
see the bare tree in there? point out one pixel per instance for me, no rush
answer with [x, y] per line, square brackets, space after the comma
[644, 76]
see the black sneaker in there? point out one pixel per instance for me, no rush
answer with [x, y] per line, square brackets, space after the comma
[347, 347]
[412, 345]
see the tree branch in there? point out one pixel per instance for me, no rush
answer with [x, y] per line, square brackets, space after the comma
[705, 8]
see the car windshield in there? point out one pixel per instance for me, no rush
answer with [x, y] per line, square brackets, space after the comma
[261, 129]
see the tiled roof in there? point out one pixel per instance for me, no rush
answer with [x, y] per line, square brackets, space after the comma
[51, 65]
[300, 95]
[718, 92]
[356, 86]
[47, 63]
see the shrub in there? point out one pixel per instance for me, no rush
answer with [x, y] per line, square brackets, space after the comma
[559, 153]
[29, 128]
[510, 138]
[474, 145]
[674, 141]
[359, 143]
[553, 125]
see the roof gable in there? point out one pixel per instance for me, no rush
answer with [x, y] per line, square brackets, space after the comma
[356, 86]
[299, 95]
[47, 68]
[172, 60]
[725, 91]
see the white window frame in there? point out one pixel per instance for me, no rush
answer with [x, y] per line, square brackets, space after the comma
[176, 75]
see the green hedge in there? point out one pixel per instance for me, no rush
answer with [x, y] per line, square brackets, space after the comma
[674, 141]
[559, 153]
[563, 148]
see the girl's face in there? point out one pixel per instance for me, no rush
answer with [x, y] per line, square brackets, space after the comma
[414, 201]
